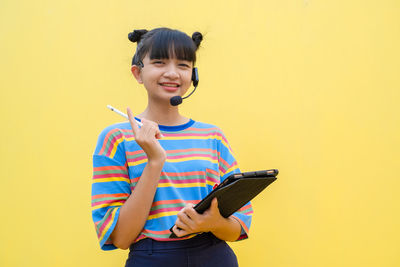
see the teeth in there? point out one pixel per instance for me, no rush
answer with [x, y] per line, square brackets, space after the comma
[170, 85]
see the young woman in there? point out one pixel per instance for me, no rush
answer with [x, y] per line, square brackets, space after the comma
[147, 179]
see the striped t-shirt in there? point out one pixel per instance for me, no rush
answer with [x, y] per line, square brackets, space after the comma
[198, 157]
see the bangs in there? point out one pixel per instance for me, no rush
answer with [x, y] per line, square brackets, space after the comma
[172, 44]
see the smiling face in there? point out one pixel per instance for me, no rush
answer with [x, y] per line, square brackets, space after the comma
[164, 78]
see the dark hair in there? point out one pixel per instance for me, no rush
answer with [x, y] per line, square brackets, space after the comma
[163, 43]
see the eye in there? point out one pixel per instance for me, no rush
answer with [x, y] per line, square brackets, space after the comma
[158, 62]
[184, 64]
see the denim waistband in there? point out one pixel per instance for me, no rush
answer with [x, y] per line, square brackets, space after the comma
[150, 244]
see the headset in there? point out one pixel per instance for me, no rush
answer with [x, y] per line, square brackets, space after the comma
[177, 100]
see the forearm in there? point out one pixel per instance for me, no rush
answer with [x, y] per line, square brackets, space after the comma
[133, 214]
[227, 229]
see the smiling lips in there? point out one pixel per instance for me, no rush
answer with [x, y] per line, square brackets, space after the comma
[170, 86]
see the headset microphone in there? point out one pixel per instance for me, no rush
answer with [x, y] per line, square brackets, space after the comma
[177, 100]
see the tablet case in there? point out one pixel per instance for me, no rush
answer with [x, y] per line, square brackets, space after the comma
[235, 191]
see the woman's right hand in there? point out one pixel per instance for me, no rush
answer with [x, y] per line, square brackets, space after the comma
[147, 138]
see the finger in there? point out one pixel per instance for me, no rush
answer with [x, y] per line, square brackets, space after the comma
[157, 132]
[185, 209]
[132, 121]
[148, 128]
[159, 135]
[214, 202]
[184, 218]
[214, 205]
[145, 129]
[213, 209]
[191, 213]
[181, 225]
[151, 128]
[179, 232]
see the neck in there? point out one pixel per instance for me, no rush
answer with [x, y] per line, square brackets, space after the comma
[163, 114]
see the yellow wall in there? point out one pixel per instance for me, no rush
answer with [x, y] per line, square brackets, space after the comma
[309, 87]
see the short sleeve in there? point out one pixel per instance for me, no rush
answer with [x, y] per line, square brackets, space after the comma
[110, 184]
[228, 166]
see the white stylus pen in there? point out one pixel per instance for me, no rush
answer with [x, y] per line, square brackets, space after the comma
[123, 114]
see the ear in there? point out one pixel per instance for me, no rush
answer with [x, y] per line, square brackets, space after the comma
[136, 72]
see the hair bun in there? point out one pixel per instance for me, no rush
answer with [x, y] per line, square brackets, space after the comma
[197, 37]
[136, 35]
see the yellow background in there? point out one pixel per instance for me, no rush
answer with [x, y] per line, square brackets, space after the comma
[308, 87]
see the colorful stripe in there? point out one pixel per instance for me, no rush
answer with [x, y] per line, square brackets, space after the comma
[184, 179]
[108, 200]
[247, 210]
[181, 155]
[104, 225]
[161, 208]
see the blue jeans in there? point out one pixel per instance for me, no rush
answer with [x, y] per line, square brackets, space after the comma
[202, 250]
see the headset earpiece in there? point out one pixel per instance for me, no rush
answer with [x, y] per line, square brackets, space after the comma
[195, 77]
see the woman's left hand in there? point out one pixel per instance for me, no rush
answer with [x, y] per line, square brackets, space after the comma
[189, 221]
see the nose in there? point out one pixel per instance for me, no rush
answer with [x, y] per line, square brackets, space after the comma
[171, 72]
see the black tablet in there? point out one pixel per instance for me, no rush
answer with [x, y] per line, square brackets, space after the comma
[235, 191]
